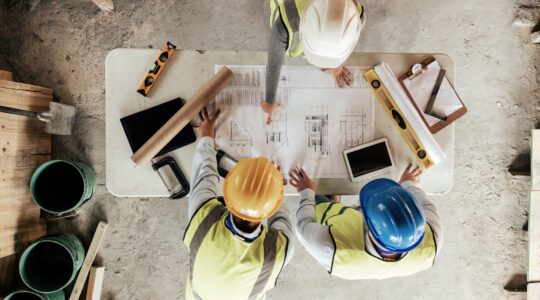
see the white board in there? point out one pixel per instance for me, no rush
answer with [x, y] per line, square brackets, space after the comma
[308, 129]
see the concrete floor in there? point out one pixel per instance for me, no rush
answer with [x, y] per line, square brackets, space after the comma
[63, 45]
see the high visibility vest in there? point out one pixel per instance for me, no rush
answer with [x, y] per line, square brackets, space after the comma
[221, 266]
[351, 259]
[290, 12]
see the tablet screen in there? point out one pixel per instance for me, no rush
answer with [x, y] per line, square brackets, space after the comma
[369, 159]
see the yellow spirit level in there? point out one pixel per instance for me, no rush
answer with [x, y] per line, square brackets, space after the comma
[396, 103]
[166, 54]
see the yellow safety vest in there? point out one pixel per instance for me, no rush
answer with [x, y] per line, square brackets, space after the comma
[290, 12]
[351, 259]
[222, 266]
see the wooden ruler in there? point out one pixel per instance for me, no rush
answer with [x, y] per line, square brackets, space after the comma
[88, 260]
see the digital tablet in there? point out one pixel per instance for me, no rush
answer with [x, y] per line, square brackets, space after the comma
[368, 159]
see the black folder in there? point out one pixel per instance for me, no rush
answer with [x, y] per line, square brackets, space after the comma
[139, 127]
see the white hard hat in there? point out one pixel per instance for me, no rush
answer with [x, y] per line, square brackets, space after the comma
[329, 31]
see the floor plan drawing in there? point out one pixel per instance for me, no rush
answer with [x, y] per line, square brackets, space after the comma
[352, 128]
[315, 122]
[316, 129]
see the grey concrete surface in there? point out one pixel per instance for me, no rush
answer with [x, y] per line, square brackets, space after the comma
[63, 45]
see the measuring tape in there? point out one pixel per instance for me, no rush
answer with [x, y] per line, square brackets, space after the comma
[416, 134]
[166, 54]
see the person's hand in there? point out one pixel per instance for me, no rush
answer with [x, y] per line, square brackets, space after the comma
[411, 174]
[269, 108]
[342, 75]
[207, 127]
[300, 180]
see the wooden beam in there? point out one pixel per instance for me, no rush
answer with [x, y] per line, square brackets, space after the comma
[533, 291]
[95, 282]
[535, 159]
[533, 268]
[88, 260]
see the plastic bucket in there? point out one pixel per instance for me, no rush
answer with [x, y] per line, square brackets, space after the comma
[51, 263]
[29, 295]
[60, 186]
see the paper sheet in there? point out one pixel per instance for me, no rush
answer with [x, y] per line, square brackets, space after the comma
[316, 122]
[420, 88]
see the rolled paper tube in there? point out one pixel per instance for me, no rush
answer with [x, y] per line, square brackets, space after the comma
[181, 118]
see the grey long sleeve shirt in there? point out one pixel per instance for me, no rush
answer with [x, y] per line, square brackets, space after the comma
[318, 242]
[204, 184]
[277, 45]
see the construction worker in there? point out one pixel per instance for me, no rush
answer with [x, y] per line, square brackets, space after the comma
[232, 254]
[396, 232]
[325, 31]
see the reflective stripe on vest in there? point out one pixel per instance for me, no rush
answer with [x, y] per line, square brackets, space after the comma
[352, 261]
[225, 267]
[290, 12]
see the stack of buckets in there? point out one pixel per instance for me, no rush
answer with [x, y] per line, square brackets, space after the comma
[50, 264]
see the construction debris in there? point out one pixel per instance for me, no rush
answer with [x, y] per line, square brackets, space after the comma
[106, 5]
[526, 17]
[535, 37]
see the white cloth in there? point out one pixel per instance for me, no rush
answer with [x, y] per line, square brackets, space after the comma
[204, 187]
[318, 242]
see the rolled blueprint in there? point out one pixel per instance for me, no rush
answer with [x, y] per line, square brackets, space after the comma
[181, 118]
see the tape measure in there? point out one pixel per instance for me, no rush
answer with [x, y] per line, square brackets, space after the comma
[151, 77]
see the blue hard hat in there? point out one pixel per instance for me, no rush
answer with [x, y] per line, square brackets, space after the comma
[393, 216]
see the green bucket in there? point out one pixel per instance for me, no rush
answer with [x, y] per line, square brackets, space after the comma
[29, 295]
[60, 186]
[51, 263]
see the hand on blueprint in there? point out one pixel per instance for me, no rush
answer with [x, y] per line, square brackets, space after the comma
[342, 75]
[269, 108]
[411, 174]
[300, 180]
[207, 127]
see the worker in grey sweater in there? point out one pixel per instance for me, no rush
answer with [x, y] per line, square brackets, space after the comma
[325, 31]
[232, 254]
[396, 232]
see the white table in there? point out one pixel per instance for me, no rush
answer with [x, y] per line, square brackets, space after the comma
[188, 70]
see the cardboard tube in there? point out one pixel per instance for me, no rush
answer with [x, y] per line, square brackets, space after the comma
[181, 118]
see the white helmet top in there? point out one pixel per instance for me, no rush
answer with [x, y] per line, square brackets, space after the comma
[329, 31]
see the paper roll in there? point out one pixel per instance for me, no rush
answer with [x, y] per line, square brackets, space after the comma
[180, 119]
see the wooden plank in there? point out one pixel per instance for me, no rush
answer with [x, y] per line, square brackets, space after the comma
[88, 260]
[533, 268]
[6, 75]
[95, 282]
[18, 86]
[16, 238]
[533, 291]
[535, 159]
[106, 5]
[23, 147]
[9, 274]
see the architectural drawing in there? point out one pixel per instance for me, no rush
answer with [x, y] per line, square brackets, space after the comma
[238, 141]
[352, 128]
[315, 123]
[316, 130]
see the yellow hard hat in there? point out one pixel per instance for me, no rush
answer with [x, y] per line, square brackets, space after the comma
[253, 189]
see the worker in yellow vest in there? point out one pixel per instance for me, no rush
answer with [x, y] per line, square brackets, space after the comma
[325, 31]
[232, 254]
[396, 232]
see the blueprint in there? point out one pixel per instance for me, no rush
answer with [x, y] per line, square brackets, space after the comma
[315, 123]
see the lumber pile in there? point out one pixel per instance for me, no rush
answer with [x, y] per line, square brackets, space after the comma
[23, 147]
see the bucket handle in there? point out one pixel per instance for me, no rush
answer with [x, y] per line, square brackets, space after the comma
[184, 183]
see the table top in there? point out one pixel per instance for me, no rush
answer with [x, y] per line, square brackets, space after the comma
[188, 70]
